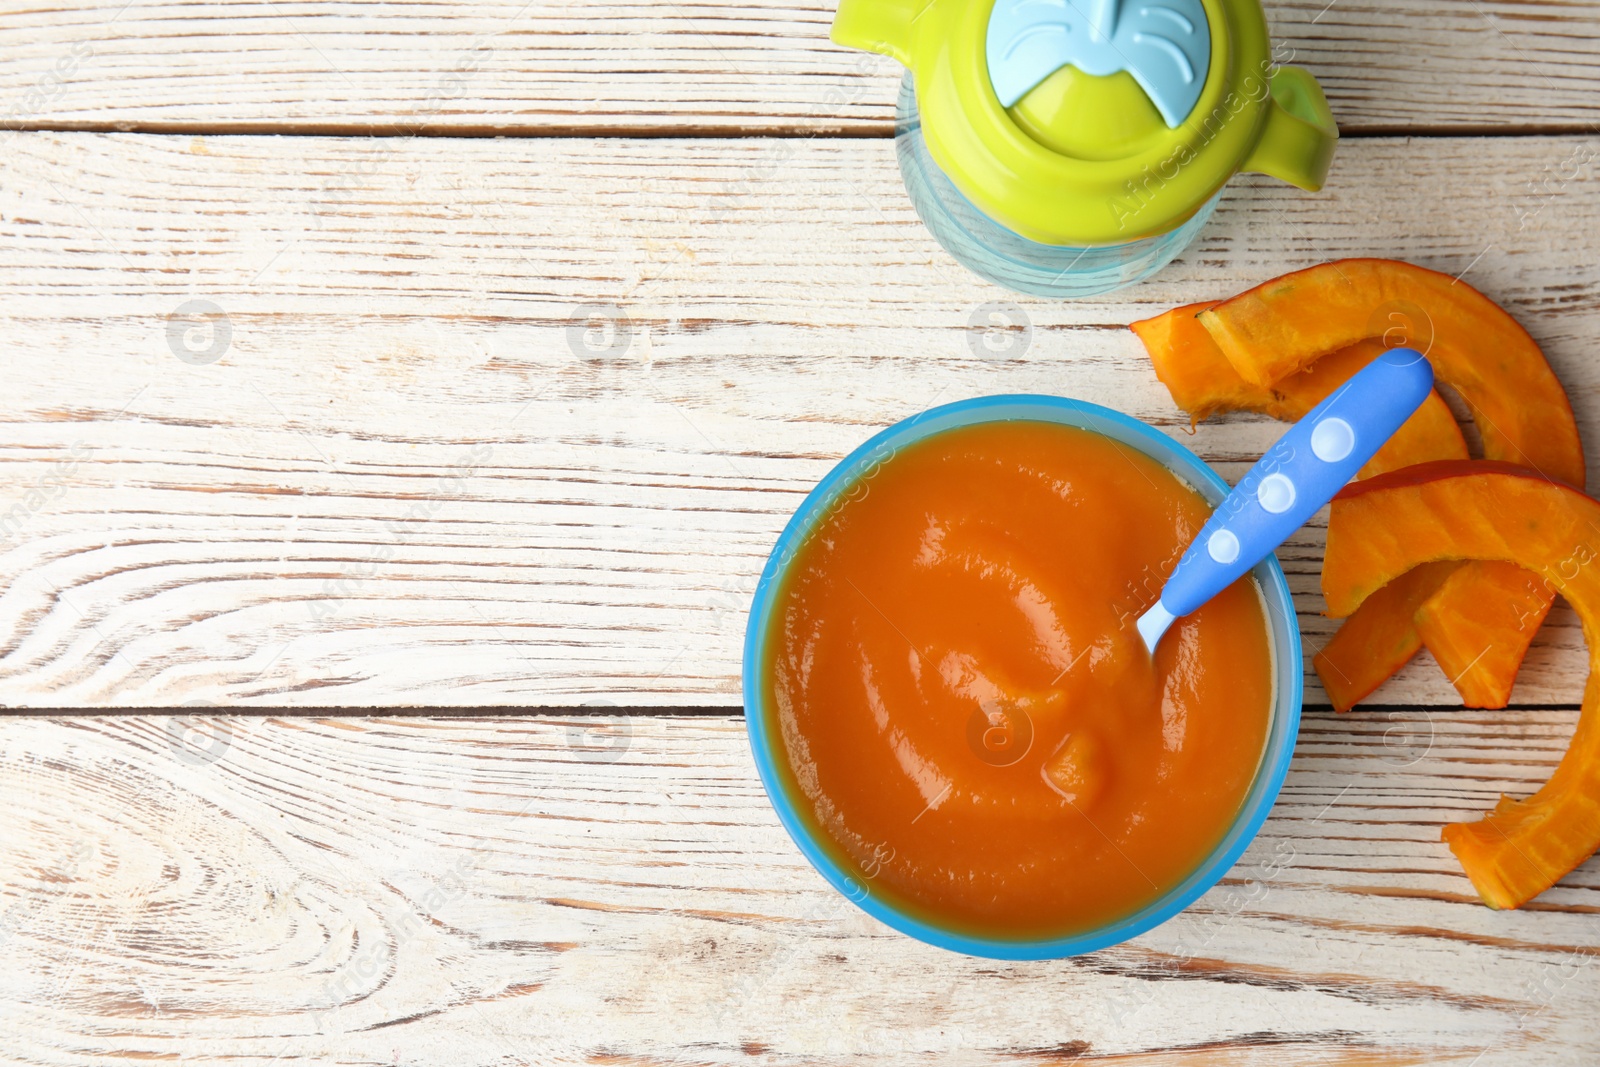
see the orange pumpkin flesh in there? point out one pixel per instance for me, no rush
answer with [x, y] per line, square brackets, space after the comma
[1378, 638]
[1382, 527]
[1521, 409]
[1478, 625]
[1383, 635]
[1282, 326]
[1192, 367]
[1202, 382]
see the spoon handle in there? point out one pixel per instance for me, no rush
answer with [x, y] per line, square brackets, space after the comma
[1300, 474]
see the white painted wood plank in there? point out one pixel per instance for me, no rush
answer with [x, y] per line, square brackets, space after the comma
[717, 65]
[553, 891]
[399, 482]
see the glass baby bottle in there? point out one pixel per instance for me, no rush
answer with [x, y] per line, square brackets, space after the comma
[1067, 148]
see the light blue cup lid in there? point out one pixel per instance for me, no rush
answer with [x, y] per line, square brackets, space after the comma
[1164, 44]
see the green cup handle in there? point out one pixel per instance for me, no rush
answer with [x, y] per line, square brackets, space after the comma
[1299, 136]
[882, 26]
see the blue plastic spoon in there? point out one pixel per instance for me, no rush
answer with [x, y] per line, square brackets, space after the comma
[1302, 472]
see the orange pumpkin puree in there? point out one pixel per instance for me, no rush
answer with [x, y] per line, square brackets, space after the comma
[967, 710]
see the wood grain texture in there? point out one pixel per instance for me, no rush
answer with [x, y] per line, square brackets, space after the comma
[716, 66]
[389, 466]
[617, 890]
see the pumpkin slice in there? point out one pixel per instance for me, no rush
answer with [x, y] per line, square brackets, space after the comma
[1383, 527]
[1202, 382]
[1519, 406]
[1283, 326]
[1383, 635]
[1379, 637]
[1194, 370]
[1478, 625]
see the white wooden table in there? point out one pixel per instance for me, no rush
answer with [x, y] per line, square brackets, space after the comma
[371, 623]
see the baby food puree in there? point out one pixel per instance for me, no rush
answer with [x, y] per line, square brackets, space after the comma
[966, 707]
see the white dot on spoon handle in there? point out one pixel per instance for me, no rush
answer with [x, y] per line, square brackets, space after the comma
[1276, 493]
[1223, 546]
[1332, 439]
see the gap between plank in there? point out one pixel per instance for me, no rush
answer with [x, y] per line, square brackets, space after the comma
[540, 711]
[875, 131]
[377, 712]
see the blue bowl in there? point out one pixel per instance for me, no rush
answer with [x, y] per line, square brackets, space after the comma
[760, 719]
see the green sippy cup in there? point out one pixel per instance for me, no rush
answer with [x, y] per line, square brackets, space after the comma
[1067, 148]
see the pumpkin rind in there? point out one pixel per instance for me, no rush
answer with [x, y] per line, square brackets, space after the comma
[1385, 526]
[1381, 637]
[1202, 382]
[1269, 334]
[1522, 411]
